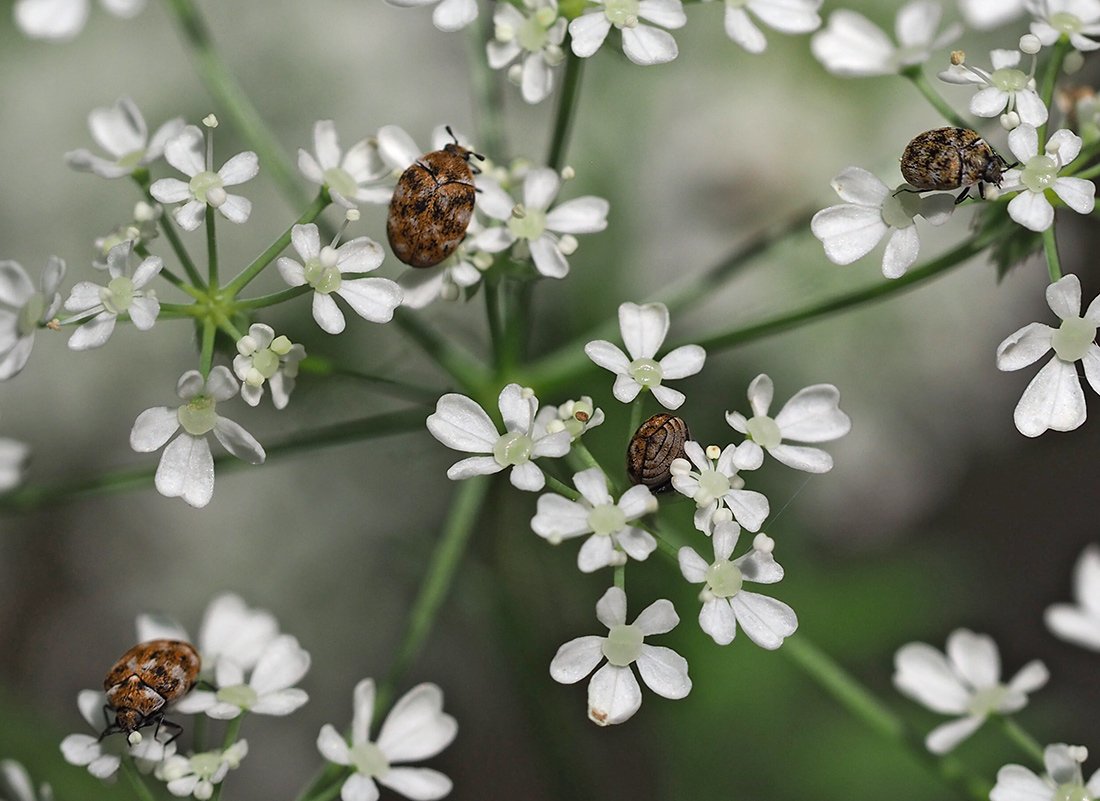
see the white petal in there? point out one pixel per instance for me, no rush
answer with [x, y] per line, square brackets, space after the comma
[859, 187]
[454, 15]
[474, 466]
[239, 442]
[765, 620]
[1024, 347]
[536, 79]
[848, 232]
[94, 333]
[527, 477]
[946, 736]
[683, 361]
[1086, 580]
[693, 567]
[916, 23]
[596, 552]
[360, 255]
[51, 19]
[613, 695]
[1030, 107]
[647, 45]
[923, 673]
[153, 428]
[242, 167]
[637, 501]
[643, 328]
[809, 460]
[1030, 678]
[637, 544]
[460, 423]
[741, 30]
[1065, 144]
[582, 215]
[1023, 141]
[516, 409]
[185, 152]
[716, 619]
[190, 215]
[1078, 194]
[852, 45]
[186, 470]
[788, 16]
[283, 663]
[1072, 624]
[902, 249]
[419, 784]
[989, 102]
[358, 787]
[236, 209]
[1053, 400]
[669, 398]
[611, 608]
[588, 31]
[749, 508]
[576, 659]
[1017, 783]
[373, 299]
[607, 356]
[280, 702]
[540, 187]
[813, 415]
[658, 618]
[975, 658]
[417, 727]
[306, 240]
[666, 13]
[327, 314]
[664, 671]
[548, 258]
[170, 190]
[363, 698]
[1064, 296]
[560, 518]
[1031, 210]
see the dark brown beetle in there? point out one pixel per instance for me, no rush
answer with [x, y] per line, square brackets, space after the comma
[658, 441]
[144, 680]
[951, 158]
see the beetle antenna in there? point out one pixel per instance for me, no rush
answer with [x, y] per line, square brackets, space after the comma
[452, 134]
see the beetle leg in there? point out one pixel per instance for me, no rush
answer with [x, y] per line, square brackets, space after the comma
[176, 728]
[962, 195]
[111, 727]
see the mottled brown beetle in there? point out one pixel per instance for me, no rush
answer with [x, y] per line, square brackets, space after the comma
[658, 441]
[144, 680]
[432, 205]
[951, 158]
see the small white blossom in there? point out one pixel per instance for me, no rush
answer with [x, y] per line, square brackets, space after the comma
[597, 513]
[346, 177]
[197, 774]
[574, 416]
[715, 482]
[58, 20]
[851, 230]
[613, 693]
[460, 423]
[642, 44]
[15, 784]
[121, 131]
[102, 756]
[791, 16]
[1080, 623]
[13, 456]
[186, 468]
[966, 681]
[140, 230]
[1076, 19]
[23, 310]
[449, 15]
[1039, 172]
[415, 729]
[766, 621]
[269, 689]
[644, 329]
[263, 358]
[534, 224]
[535, 38]
[986, 14]
[206, 187]
[853, 46]
[1005, 90]
[812, 415]
[322, 268]
[1063, 779]
[125, 293]
[1054, 398]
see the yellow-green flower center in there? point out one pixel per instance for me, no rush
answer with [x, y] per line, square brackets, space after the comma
[1071, 792]
[369, 760]
[1040, 173]
[203, 182]
[239, 695]
[529, 225]
[1009, 80]
[606, 519]
[622, 13]
[1066, 23]
[724, 579]
[339, 180]
[30, 314]
[513, 448]
[198, 415]
[646, 372]
[1072, 339]
[117, 296]
[322, 273]
[623, 644]
[764, 432]
[712, 486]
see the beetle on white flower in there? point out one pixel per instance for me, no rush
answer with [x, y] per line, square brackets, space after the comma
[1054, 398]
[1063, 779]
[23, 310]
[597, 513]
[1080, 623]
[812, 415]
[346, 175]
[121, 131]
[643, 44]
[186, 468]
[263, 358]
[715, 482]
[103, 755]
[416, 728]
[460, 423]
[644, 329]
[1039, 172]
[792, 16]
[59, 20]
[197, 774]
[125, 293]
[966, 681]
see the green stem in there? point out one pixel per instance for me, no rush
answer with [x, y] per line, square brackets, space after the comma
[206, 355]
[1050, 249]
[231, 732]
[319, 365]
[211, 248]
[492, 314]
[275, 298]
[562, 488]
[276, 247]
[182, 255]
[328, 793]
[460, 365]
[1088, 173]
[635, 416]
[515, 312]
[1050, 79]
[141, 790]
[465, 508]
[567, 106]
[1018, 735]
[487, 95]
[620, 577]
[179, 310]
[870, 710]
[916, 75]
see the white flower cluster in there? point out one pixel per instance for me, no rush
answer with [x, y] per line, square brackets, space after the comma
[613, 523]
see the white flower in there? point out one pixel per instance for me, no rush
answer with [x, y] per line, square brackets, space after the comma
[450, 278]
[197, 774]
[449, 15]
[643, 44]
[102, 756]
[715, 481]
[1039, 173]
[415, 729]
[186, 468]
[263, 357]
[269, 689]
[536, 38]
[986, 14]
[535, 224]
[23, 311]
[58, 20]
[1054, 398]
[13, 455]
[643, 330]
[598, 514]
[574, 416]
[121, 131]
[851, 45]
[206, 187]
[788, 16]
[1080, 623]
[398, 150]
[140, 230]
[1006, 90]
[345, 177]
[1063, 779]
[613, 693]
[460, 423]
[766, 621]
[812, 415]
[852, 229]
[15, 784]
[322, 268]
[966, 682]
[1076, 19]
[125, 293]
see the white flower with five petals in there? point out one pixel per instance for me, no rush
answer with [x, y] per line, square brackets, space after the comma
[1039, 172]
[788, 16]
[1005, 90]
[1054, 398]
[1063, 779]
[125, 293]
[416, 728]
[121, 131]
[1080, 623]
[1076, 19]
[642, 44]
[103, 755]
[644, 329]
[966, 681]
[715, 483]
[535, 38]
[613, 693]
[197, 774]
[23, 310]
[346, 175]
[263, 358]
[59, 20]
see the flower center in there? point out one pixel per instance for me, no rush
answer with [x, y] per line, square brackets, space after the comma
[239, 695]
[622, 13]
[764, 432]
[646, 372]
[1040, 173]
[712, 486]
[369, 759]
[899, 210]
[606, 519]
[513, 448]
[206, 764]
[265, 362]
[1070, 792]
[131, 159]
[987, 700]
[724, 579]
[117, 295]
[532, 34]
[529, 225]
[1072, 339]
[339, 180]
[203, 183]
[30, 314]
[1009, 80]
[623, 644]
[1065, 22]
[198, 416]
[322, 273]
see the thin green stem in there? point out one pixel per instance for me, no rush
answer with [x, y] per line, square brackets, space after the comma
[1088, 173]
[1018, 735]
[275, 298]
[1050, 79]
[916, 75]
[492, 314]
[469, 372]
[515, 312]
[562, 488]
[620, 577]
[863, 705]
[206, 354]
[1050, 250]
[211, 247]
[179, 310]
[635, 416]
[567, 107]
[319, 365]
[327, 793]
[137, 783]
[276, 247]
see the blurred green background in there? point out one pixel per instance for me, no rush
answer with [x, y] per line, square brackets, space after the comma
[939, 514]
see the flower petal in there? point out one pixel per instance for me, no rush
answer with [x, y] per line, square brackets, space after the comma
[1024, 347]
[239, 442]
[582, 215]
[645, 45]
[658, 618]
[613, 695]
[683, 361]
[460, 423]
[664, 671]
[419, 784]
[283, 663]
[576, 659]
[975, 658]
[186, 470]
[765, 620]
[153, 428]
[1053, 400]
[946, 736]
[848, 232]
[373, 299]
[588, 31]
[924, 674]
[417, 727]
